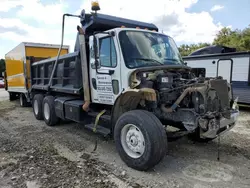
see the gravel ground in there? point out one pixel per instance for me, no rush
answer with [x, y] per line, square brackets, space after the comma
[34, 155]
[3, 94]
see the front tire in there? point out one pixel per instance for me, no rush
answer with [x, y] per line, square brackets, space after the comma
[49, 113]
[140, 139]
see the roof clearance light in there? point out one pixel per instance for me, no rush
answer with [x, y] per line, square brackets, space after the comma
[95, 6]
[146, 28]
[154, 30]
[137, 27]
[122, 26]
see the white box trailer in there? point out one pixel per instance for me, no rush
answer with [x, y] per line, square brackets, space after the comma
[234, 67]
[17, 78]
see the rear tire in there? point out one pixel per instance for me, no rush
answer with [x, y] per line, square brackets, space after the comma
[140, 139]
[23, 100]
[37, 105]
[49, 113]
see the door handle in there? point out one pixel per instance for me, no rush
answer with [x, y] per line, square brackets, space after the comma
[107, 72]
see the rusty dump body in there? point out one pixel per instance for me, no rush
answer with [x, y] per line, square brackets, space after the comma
[177, 97]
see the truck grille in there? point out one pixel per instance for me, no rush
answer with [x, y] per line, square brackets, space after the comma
[221, 88]
[213, 103]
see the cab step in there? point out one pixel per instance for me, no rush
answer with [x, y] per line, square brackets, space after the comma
[99, 129]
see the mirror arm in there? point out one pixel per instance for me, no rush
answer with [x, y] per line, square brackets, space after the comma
[95, 53]
[110, 49]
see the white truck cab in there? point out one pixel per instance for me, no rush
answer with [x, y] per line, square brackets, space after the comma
[123, 51]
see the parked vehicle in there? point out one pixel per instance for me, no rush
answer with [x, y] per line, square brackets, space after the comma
[213, 49]
[1, 83]
[18, 67]
[232, 66]
[128, 81]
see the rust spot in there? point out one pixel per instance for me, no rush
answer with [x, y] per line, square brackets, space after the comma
[85, 106]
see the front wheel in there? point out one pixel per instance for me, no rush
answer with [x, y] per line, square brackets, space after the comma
[140, 139]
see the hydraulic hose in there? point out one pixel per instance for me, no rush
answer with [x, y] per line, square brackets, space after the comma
[177, 102]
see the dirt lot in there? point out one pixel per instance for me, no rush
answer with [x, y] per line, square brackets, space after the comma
[34, 155]
[3, 94]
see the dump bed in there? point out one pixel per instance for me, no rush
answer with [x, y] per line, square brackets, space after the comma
[67, 76]
[18, 63]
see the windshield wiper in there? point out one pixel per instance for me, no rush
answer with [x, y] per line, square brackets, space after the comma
[148, 59]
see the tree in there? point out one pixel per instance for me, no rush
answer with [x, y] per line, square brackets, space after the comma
[2, 66]
[187, 49]
[239, 39]
[245, 41]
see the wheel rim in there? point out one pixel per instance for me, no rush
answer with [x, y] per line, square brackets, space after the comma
[36, 107]
[132, 141]
[46, 111]
[21, 100]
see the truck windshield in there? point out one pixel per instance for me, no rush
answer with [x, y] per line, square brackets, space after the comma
[142, 49]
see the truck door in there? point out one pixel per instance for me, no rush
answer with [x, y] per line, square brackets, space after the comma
[105, 79]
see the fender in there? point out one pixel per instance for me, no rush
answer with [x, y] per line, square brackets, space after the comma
[129, 100]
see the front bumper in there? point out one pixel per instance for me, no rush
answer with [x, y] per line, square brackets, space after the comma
[215, 129]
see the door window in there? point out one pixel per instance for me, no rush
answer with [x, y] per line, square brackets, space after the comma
[107, 52]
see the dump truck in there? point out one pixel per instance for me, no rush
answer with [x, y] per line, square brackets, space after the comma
[17, 74]
[126, 80]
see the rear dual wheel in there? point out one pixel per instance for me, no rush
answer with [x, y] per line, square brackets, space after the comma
[43, 109]
[140, 139]
[49, 113]
[37, 106]
[23, 100]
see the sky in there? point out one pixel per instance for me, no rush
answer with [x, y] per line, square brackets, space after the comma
[187, 21]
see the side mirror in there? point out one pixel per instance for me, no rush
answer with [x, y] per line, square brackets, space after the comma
[96, 47]
[96, 64]
[95, 52]
[112, 33]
